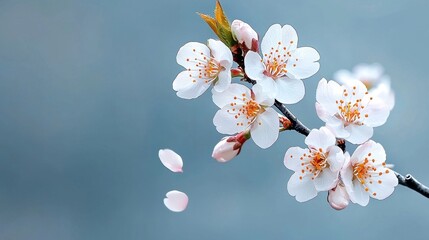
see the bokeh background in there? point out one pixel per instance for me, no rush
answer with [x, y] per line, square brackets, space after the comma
[86, 102]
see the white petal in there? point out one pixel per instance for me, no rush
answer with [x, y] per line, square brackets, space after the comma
[171, 160]
[358, 133]
[289, 91]
[338, 198]
[292, 159]
[176, 201]
[226, 122]
[326, 180]
[377, 112]
[221, 53]
[384, 185]
[254, 66]
[262, 97]
[265, 129]
[184, 80]
[372, 151]
[302, 189]
[337, 128]
[223, 82]
[303, 63]
[335, 158]
[322, 138]
[228, 96]
[193, 91]
[289, 38]
[327, 94]
[271, 38]
[186, 54]
[358, 194]
[268, 85]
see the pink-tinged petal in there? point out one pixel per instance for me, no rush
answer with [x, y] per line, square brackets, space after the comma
[289, 38]
[292, 159]
[301, 188]
[265, 129]
[384, 92]
[193, 91]
[289, 91]
[176, 201]
[338, 198]
[171, 160]
[303, 63]
[225, 150]
[233, 94]
[187, 54]
[227, 120]
[368, 72]
[322, 138]
[221, 53]
[359, 133]
[223, 82]
[358, 194]
[326, 180]
[271, 38]
[254, 66]
[262, 97]
[335, 158]
[342, 76]
[384, 185]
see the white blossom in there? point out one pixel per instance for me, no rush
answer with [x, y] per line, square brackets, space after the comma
[205, 66]
[243, 110]
[316, 168]
[365, 174]
[283, 65]
[350, 111]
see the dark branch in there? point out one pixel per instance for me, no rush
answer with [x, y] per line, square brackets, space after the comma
[410, 182]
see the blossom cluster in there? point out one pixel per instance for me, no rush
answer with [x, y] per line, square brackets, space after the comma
[351, 107]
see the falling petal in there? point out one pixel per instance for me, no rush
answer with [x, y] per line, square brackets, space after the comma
[171, 160]
[176, 201]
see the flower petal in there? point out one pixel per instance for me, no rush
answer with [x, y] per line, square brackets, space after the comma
[385, 184]
[271, 38]
[322, 138]
[289, 38]
[326, 180]
[327, 94]
[358, 194]
[335, 158]
[227, 120]
[220, 53]
[292, 159]
[176, 201]
[191, 50]
[338, 198]
[254, 66]
[223, 82]
[359, 133]
[265, 129]
[302, 189]
[171, 160]
[289, 91]
[230, 95]
[303, 63]
[262, 97]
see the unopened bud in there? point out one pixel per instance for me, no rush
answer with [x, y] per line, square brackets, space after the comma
[229, 147]
[338, 197]
[244, 34]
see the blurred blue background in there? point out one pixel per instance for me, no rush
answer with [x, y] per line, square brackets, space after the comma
[86, 102]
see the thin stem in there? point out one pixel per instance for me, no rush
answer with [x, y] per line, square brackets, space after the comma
[412, 183]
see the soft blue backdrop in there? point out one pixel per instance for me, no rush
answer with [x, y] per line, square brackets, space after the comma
[86, 102]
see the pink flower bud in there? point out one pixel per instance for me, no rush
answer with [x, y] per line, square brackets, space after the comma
[229, 147]
[338, 197]
[244, 34]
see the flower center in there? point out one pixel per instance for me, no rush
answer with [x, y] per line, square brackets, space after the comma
[251, 109]
[361, 171]
[212, 68]
[350, 112]
[318, 160]
[275, 69]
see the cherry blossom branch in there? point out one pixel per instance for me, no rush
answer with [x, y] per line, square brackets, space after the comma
[295, 124]
[412, 183]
